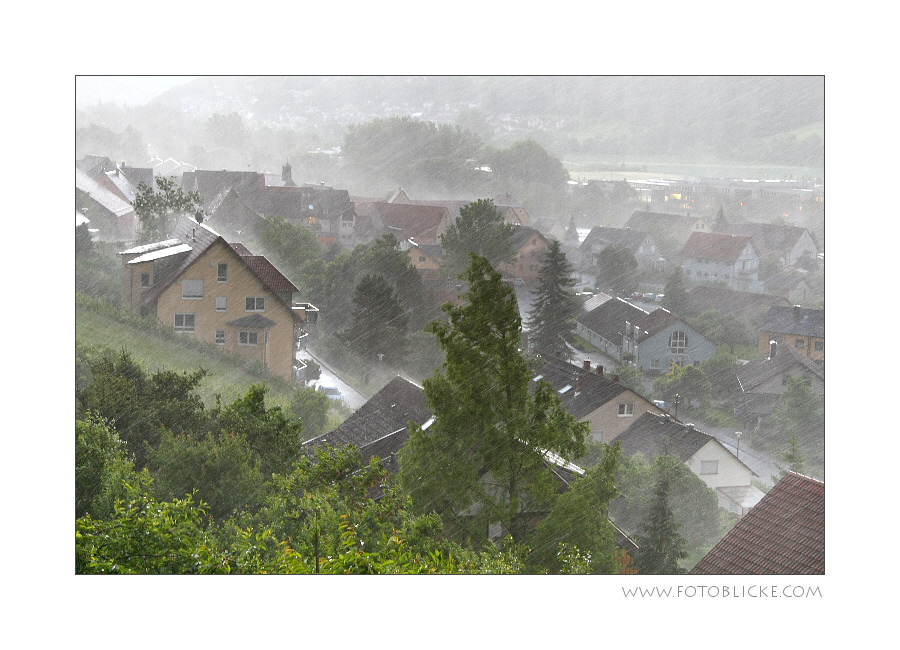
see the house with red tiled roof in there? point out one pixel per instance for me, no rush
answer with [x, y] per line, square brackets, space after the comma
[732, 260]
[788, 245]
[783, 535]
[422, 223]
[201, 286]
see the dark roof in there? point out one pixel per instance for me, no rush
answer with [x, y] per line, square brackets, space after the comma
[273, 279]
[608, 320]
[587, 391]
[418, 222]
[715, 246]
[387, 412]
[657, 435]
[762, 369]
[641, 219]
[605, 236]
[706, 297]
[253, 320]
[795, 320]
[768, 237]
[521, 234]
[784, 534]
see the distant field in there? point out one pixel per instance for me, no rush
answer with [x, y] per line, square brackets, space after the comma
[584, 168]
[226, 377]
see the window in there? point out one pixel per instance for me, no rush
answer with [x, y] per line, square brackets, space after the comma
[247, 338]
[654, 364]
[819, 346]
[709, 467]
[799, 343]
[222, 273]
[145, 280]
[421, 258]
[255, 304]
[220, 337]
[220, 303]
[192, 289]
[184, 322]
[678, 342]
[626, 410]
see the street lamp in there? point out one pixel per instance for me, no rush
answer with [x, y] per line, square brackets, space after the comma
[738, 434]
[676, 401]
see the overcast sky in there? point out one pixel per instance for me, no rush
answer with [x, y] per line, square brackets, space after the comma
[134, 89]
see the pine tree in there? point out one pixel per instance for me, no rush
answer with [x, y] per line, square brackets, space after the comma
[379, 324]
[555, 306]
[660, 545]
[484, 453]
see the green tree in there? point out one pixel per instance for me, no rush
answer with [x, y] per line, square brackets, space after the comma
[158, 210]
[140, 405]
[555, 306]
[102, 467]
[687, 381]
[83, 241]
[721, 372]
[694, 505]
[580, 520]
[290, 247]
[722, 329]
[222, 471]
[378, 322]
[480, 230]
[617, 270]
[799, 425]
[675, 295]
[273, 435]
[486, 446]
[311, 407]
[660, 544]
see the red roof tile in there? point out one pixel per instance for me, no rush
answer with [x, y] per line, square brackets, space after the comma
[783, 535]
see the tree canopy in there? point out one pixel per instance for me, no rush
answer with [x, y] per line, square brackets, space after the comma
[479, 230]
[158, 209]
[483, 459]
[555, 305]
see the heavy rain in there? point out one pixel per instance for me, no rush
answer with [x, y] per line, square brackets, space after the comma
[544, 325]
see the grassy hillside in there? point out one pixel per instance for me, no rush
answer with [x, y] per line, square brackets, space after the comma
[99, 325]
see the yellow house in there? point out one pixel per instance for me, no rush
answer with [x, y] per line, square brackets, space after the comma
[797, 327]
[598, 399]
[202, 286]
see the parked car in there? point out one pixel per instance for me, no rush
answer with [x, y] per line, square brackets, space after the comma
[331, 391]
[660, 296]
[661, 404]
[637, 296]
[649, 297]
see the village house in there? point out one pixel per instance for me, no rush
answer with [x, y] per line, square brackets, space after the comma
[422, 223]
[676, 227]
[594, 397]
[326, 211]
[783, 535]
[204, 287]
[762, 382]
[797, 327]
[656, 339]
[654, 435]
[530, 246]
[788, 245]
[730, 259]
[639, 243]
[748, 306]
[110, 215]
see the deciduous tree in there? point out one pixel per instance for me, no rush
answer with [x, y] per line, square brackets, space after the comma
[158, 210]
[480, 230]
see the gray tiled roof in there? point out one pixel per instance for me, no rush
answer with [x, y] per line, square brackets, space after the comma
[589, 390]
[387, 412]
[657, 435]
[764, 368]
[795, 320]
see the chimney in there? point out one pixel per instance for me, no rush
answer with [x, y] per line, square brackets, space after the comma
[587, 365]
[579, 383]
[773, 348]
[557, 354]
[194, 234]
[600, 370]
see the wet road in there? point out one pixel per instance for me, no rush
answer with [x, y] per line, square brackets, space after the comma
[351, 397]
